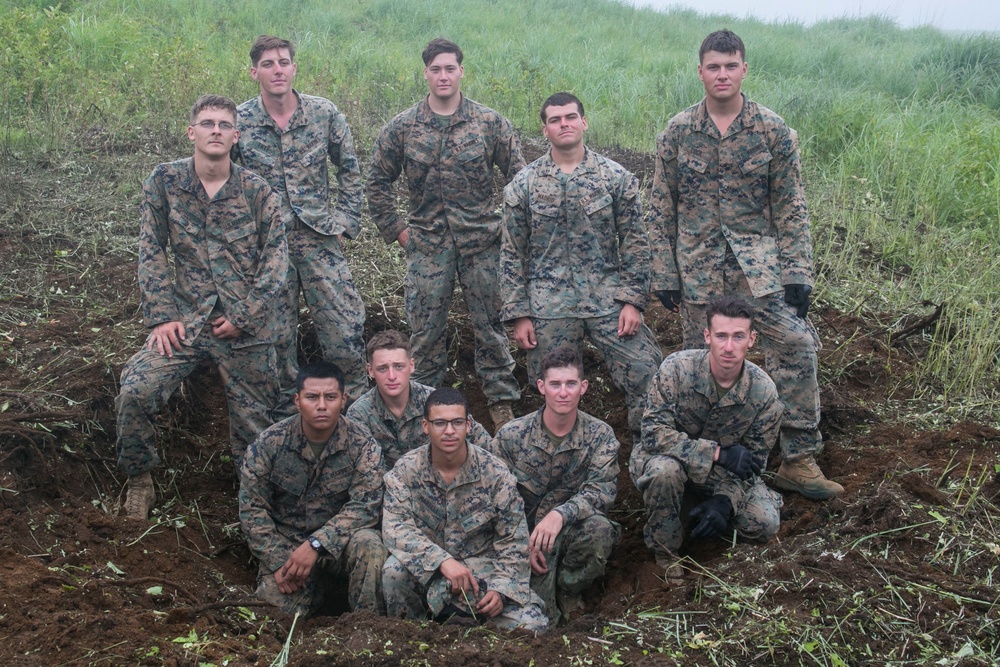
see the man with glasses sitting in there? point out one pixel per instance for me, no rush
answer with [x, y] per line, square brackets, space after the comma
[453, 523]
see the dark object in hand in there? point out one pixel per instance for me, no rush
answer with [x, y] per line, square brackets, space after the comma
[713, 517]
[797, 296]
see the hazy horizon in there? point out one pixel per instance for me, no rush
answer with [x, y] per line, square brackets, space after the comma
[958, 15]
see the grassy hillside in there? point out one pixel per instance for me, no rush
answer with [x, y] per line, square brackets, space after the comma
[899, 128]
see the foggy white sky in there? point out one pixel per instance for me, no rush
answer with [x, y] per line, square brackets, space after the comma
[974, 15]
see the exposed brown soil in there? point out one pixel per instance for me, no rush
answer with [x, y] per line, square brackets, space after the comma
[80, 585]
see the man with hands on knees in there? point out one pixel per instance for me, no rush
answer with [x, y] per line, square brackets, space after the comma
[566, 465]
[711, 418]
[224, 227]
[454, 526]
[310, 497]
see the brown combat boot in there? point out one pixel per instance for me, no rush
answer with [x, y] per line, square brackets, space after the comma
[500, 413]
[804, 476]
[140, 497]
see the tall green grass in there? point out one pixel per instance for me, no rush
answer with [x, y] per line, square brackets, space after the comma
[899, 128]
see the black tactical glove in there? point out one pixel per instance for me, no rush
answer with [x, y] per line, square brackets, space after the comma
[670, 298]
[738, 460]
[797, 296]
[713, 517]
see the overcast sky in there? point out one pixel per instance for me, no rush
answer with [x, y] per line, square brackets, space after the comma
[974, 15]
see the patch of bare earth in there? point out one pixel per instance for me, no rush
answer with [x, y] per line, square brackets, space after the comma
[900, 567]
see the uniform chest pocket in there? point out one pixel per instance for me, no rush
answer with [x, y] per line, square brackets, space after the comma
[755, 162]
[545, 208]
[476, 521]
[693, 163]
[314, 154]
[594, 204]
[241, 244]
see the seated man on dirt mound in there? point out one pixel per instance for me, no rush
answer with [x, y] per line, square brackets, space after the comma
[566, 465]
[393, 411]
[310, 497]
[454, 526]
[224, 227]
[711, 418]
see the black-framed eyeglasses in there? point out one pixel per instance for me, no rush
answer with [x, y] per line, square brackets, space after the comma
[442, 424]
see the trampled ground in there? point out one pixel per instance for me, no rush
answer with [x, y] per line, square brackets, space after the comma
[900, 570]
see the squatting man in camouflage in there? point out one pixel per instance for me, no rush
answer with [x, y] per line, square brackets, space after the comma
[393, 411]
[575, 257]
[728, 216]
[566, 466]
[225, 230]
[310, 498]
[290, 139]
[454, 525]
[448, 147]
[711, 418]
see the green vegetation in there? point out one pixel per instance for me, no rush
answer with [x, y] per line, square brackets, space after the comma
[899, 128]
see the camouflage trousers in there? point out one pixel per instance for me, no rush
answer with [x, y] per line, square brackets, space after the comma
[632, 361]
[430, 283]
[318, 269]
[669, 496]
[790, 346]
[361, 563]
[578, 559]
[407, 597]
[148, 380]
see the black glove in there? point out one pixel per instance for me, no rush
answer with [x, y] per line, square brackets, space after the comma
[713, 515]
[670, 298]
[797, 296]
[738, 460]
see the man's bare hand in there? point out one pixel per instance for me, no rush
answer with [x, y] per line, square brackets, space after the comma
[629, 321]
[296, 569]
[543, 537]
[524, 333]
[491, 605]
[165, 338]
[459, 576]
[223, 328]
[403, 238]
[539, 565]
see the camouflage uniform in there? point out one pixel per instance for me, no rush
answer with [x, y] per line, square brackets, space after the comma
[454, 229]
[683, 425]
[287, 494]
[398, 436]
[229, 258]
[577, 478]
[478, 520]
[728, 216]
[295, 162]
[574, 252]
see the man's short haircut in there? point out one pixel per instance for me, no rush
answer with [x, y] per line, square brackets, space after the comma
[322, 370]
[390, 339]
[722, 41]
[445, 396]
[729, 306]
[562, 356]
[212, 102]
[268, 42]
[440, 45]
[561, 99]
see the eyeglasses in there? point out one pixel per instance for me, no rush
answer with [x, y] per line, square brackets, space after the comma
[442, 424]
[224, 125]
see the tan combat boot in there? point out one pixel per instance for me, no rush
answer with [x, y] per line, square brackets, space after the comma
[140, 497]
[500, 413]
[804, 476]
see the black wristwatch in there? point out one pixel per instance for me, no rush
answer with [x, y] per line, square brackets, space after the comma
[315, 544]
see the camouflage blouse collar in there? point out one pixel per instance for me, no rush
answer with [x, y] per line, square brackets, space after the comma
[259, 115]
[705, 384]
[426, 115]
[418, 393]
[589, 164]
[470, 472]
[703, 122]
[190, 182]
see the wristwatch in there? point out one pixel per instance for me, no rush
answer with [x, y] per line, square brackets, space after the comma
[314, 543]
